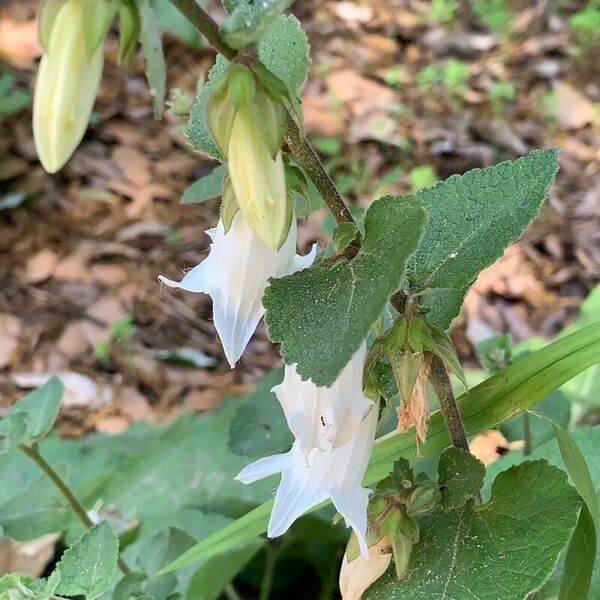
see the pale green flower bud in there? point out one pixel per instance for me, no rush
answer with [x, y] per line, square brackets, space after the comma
[258, 179]
[247, 123]
[66, 88]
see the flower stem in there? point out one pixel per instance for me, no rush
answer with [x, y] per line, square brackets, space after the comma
[448, 404]
[34, 454]
[307, 158]
[298, 145]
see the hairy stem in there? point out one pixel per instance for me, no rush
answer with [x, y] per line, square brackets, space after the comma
[448, 404]
[34, 454]
[528, 446]
[298, 145]
[307, 158]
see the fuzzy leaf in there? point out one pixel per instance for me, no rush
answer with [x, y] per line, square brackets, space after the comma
[206, 188]
[321, 315]
[32, 417]
[156, 70]
[259, 427]
[249, 20]
[471, 219]
[88, 566]
[460, 477]
[503, 549]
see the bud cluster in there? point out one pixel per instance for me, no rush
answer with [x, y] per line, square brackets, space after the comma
[392, 530]
[409, 347]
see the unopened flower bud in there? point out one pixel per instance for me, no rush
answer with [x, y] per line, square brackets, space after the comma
[247, 123]
[359, 574]
[423, 499]
[66, 88]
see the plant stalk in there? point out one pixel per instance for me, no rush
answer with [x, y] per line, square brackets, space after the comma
[448, 404]
[34, 454]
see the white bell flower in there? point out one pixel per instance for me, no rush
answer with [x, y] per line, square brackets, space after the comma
[235, 274]
[335, 474]
[325, 417]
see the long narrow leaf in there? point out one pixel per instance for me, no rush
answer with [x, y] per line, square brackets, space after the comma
[516, 388]
[581, 553]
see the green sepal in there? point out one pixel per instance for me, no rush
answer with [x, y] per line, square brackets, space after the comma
[401, 549]
[295, 179]
[391, 524]
[229, 204]
[47, 11]
[444, 348]
[353, 548]
[240, 84]
[220, 113]
[279, 91]
[129, 31]
[271, 115]
[97, 17]
[406, 366]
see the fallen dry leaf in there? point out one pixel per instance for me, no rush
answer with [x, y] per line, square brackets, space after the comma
[80, 390]
[19, 43]
[29, 558]
[573, 109]
[40, 266]
[10, 330]
[491, 445]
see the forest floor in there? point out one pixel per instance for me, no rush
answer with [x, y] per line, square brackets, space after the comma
[396, 99]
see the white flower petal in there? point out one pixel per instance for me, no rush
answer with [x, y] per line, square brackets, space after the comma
[325, 417]
[334, 474]
[235, 274]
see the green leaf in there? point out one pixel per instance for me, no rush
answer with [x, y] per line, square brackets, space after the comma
[511, 391]
[210, 579]
[22, 587]
[32, 417]
[460, 477]
[249, 21]
[581, 547]
[283, 50]
[259, 427]
[206, 188]
[88, 566]
[156, 71]
[473, 217]
[581, 553]
[505, 548]
[34, 511]
[322, 314]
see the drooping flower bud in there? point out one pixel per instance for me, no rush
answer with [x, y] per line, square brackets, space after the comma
[247, 122]
[357, 575]
[66, 88]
